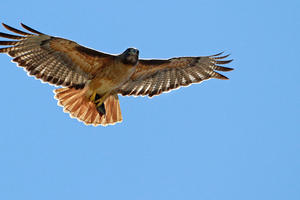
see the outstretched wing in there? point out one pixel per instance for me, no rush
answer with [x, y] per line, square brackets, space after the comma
[152, 77]
[54, 60]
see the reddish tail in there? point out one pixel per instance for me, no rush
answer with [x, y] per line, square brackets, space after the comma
[79, 106]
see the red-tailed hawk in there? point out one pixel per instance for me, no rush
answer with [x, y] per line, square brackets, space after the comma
[91, 80]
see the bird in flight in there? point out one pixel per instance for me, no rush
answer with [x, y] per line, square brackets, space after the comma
[91, 80]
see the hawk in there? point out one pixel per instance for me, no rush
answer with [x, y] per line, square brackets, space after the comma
[91, 80]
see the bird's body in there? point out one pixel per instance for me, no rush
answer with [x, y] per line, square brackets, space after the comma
[92, 80]
[112, 76]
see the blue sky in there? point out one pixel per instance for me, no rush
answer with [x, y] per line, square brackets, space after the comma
[236, 139]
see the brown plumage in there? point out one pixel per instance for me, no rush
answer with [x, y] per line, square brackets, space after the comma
[75, 102]
[91, 80]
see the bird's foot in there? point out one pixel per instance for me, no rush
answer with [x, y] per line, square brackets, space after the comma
[93, 97]
[101, 109]
[97, 99]
[100, 105]
[99, 102]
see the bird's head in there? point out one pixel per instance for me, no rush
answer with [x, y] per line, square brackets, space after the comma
[130, 56]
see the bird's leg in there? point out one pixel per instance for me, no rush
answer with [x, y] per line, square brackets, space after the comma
[98, 101]
[93, 97]
[101, 100]
[100, 108]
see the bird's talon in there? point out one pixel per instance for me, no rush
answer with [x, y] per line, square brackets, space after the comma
[92, 97]
[97, 101]
[101, 108]
[98, 104]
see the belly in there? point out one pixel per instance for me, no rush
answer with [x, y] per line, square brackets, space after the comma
[111, 79]
[106, 85]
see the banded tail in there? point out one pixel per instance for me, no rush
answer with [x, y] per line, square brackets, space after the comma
[75, 102]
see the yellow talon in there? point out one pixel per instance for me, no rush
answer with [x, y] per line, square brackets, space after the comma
[102, 99]
[93, 96]
[98, 104]
[98, 101]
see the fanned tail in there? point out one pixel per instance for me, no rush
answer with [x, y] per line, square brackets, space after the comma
[75, 102]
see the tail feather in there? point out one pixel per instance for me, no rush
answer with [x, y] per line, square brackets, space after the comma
[76, 103]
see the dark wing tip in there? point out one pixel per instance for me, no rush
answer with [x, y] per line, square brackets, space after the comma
[3, 24]
[9, 36]
[218, 60]
[223, 69]
[31, 29]
[217, 54]
[8, 42]
[14, 30]
[220, 76]
[221, 57]
[224, 61]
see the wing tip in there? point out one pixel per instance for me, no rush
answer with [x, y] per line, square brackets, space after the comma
[30, 29]
[218, 60]
[223, 69]
[218, 54]
[221, 76]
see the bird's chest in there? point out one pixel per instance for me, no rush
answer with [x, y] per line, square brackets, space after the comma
[111, 77]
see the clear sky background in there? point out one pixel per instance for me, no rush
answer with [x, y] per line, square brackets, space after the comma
[229, 140]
